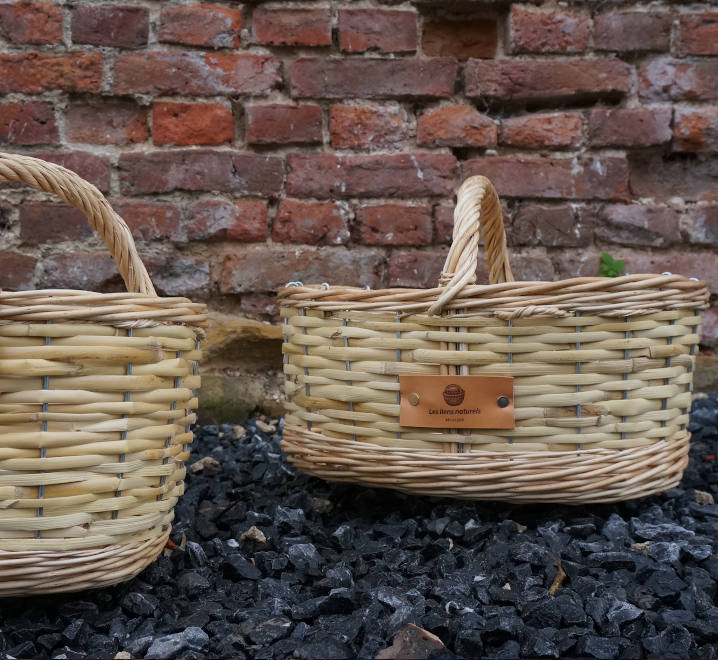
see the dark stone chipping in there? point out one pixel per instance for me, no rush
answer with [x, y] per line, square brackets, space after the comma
[343, 570]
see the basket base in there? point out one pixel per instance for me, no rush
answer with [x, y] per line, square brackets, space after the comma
[42, 572]
[592, 475]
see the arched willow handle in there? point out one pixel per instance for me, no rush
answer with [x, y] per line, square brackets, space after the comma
[477, 208]
[77, 192]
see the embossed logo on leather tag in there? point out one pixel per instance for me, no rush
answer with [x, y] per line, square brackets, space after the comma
[457, 402]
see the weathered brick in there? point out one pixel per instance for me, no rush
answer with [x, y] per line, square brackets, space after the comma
[31, 73]
[292, 26]
[460, 38]
[47, 222]
[547, 80]
[150, 220]
[28, 124]
[702, 224]
[110, 25]
[630, 127]
[372, 78]
[603, 177]
[403, 175]
[106, 122]
[252, 271]
[385, 30]
[80, 270]
[31, 22]
[666, 79]
[265, 308]
[223, 220]
[552, 225]
[195, 73]
[284, 124]
[696, 129]
[201, 169]
[310, 223]
[535, 31]
[416, 270]
[661, 177]
[394, 224]
[210, 26]
[699, 264]
[456, 126]
[192, 123]
[16, 271]
[552, 130]
[365, 127]
[699, 33]
[625, 31]
[180, 276]
[709, 328]
[533, 266]
[92, 168]
[637, 224]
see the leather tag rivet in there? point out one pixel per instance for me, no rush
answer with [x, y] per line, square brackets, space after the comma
[503, 401]
[414, 399]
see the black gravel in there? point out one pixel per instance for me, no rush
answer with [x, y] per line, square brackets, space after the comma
[342, 569]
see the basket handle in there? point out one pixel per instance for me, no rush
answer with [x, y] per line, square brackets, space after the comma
[74, 190]
[477, 208]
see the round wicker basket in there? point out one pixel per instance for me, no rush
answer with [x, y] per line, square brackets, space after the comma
[601, 369]
[96, 399]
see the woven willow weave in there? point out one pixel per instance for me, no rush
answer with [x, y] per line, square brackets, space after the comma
[602, 371]
[96, 399]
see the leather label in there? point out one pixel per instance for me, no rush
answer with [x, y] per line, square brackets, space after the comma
[457, 402]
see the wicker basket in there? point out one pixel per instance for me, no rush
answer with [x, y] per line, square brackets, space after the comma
[601, 371]
[96, 399]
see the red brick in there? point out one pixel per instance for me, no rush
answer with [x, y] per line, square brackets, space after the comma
[364, 127]
[709, 327]
[603, 177]
[292, 26]
[31, 22]
[416, 270]
[402, 175]
[310, 223]
[455, 126]
[666, 79]
[16, 271]
[653, 175]
[31, 73]
[210, 26]
[625, 31]
[106, 122]
[444, 223]
[27, 124]
[180, 276]
[548, 31]
[552, 225]
[372, 78]
[699, 33]
[46, 222]
[394, 224]
[636, 224]
[703, 264]
[543, 131]
[252, 271]
[533, 266]
[92, 168]
[283, 124]
[385, 30]
[581, 263]
[703, 224]
[200, 169]
[223, 220]
[547, 80]
[192, 123]
[696, 129]
[110, 25]
[630, 127]
[460, 38]
[80, 270]
[150, 220]
[195, 73]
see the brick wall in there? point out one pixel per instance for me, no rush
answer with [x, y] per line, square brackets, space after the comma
[252, 144]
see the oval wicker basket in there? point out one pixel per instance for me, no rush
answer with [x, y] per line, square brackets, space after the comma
[601, 368]
[96, 399]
